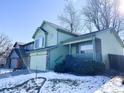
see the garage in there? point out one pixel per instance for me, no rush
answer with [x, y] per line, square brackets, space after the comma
[38, 60]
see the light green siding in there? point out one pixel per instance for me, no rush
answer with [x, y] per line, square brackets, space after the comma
[110, 45]
[51, 36]
[74, 49]
[57, 55]
[38, 60]
[54, 37]
[40, 34]
[63, 36]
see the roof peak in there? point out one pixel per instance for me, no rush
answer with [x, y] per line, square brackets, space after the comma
[58, 27]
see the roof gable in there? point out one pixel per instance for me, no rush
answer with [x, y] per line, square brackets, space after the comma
[59, 28]
[39, 29]
[13, 54]
[18, 44]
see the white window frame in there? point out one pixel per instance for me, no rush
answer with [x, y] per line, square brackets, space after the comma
[84, 48]
[41, 42]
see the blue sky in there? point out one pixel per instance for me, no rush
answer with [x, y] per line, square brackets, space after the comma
[20, 18]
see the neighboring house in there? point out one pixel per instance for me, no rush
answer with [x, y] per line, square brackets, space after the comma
[52, 43]
[3, 61]
[19, 56]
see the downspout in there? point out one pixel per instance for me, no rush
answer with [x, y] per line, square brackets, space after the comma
[70, 49]
[45, 40]
[94, 48]
[48, 61]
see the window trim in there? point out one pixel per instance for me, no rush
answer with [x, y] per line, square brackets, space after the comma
[41, 42]
[84, 51]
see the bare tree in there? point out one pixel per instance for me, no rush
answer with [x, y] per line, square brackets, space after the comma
[70, 17]
[103, 14]
[5, 45]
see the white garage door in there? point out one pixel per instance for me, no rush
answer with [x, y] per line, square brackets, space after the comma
[14, 63]
[38, 62]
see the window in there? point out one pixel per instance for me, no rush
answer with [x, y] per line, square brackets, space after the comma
[36, 43]
[86, 48]
[39, 43]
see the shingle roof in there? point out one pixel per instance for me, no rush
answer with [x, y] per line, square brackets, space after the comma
[29, 43]
[92, 34]
[81, 36]
[19, 43]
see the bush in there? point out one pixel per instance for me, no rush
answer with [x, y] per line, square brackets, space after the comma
[69, 62]
[74, 66]
[99, 67]
[88, 68]
[82, 68]
[60, 68]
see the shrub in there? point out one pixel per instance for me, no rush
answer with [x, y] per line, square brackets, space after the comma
[60, 67]
[78, 67]
[69, 62]
[88, 68]
[82, 68]
[99, 67]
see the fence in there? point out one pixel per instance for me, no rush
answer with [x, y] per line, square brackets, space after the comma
[116, 62]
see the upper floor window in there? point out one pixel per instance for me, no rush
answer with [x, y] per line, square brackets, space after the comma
[39, 43]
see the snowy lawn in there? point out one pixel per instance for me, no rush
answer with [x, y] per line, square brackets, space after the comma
[30, 86]
[4, 71]
[113, 86]
[64, 83]
[55, 83]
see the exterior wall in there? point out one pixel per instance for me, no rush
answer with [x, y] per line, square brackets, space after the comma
[26, 61]
[98, 50]
[110, 45]
[63, 36]
[57, 55]
[38, 60]
[14, 55]
[54, 37]
[74, 49]
[40, 34]
[51, 36]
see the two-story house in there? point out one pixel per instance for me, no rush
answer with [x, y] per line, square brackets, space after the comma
[52, 43]
[48, 49]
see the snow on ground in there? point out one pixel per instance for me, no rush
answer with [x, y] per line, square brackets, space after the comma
[58, 83]
[30, 86]
[3, 71]
[64, 83]
[113, 86]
